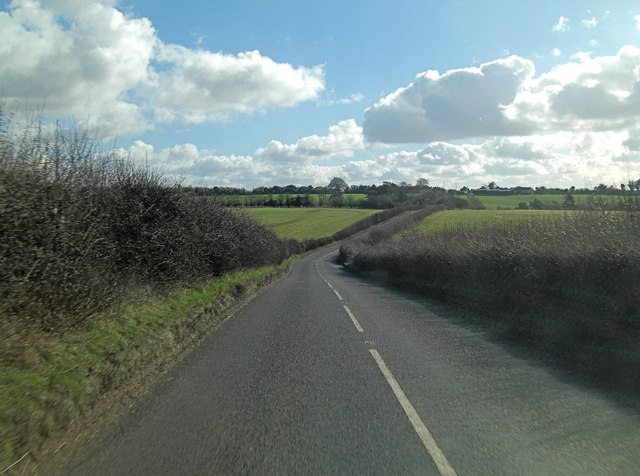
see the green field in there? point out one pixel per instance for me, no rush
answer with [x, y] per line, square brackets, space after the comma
[512, 201]
[452, 219]
[306, 223]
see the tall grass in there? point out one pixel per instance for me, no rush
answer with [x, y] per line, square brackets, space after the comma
[80, 228]
[569, 286]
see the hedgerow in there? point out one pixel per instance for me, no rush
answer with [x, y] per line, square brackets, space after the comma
[81, 228]
[569, 286]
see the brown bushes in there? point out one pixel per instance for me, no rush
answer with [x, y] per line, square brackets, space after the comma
[80, 229]
[570, 287]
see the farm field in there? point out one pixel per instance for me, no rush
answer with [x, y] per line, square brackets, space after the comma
[512, 201]
[452, 219]
[307, 223]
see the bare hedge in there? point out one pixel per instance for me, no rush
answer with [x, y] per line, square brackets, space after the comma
[569, 287]
[81, 228]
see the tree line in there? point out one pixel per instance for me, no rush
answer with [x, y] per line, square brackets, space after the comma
[387, 195]
[335, 186]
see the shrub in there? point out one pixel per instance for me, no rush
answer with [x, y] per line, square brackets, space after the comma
[81, 228]
[569, 286]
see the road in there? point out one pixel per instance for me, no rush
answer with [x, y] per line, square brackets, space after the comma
[326, 373]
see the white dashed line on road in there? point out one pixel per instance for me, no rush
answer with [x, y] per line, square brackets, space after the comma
[418, 425]
[353, 319]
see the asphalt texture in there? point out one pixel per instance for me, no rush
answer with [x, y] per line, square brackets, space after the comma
[289, 385]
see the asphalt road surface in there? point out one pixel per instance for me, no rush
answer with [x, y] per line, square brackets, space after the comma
[326, 373]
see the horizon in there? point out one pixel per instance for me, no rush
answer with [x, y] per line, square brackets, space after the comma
[247, 94]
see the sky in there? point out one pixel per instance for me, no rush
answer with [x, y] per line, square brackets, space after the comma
[246, 93]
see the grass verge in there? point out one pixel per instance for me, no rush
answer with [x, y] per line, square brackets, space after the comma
[48, 380]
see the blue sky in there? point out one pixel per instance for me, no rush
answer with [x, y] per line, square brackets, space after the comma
[249, 93]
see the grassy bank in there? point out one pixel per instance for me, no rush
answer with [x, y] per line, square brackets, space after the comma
[49, 380]
[567, 286]
[307, 223]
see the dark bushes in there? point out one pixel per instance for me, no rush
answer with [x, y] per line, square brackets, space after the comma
[80, 229]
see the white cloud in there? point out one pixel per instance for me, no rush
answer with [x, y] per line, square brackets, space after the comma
[601, 93]
[637, 19]
[461, 103]
[562, 25]
[275, 164]
[354, 98]
[502, 98]
[193, 166]
[561, 158]
[633, 141]
[556, 52]
[590, 22]
[87, 60]
[343, 139]
[84, 70]
[202, 86]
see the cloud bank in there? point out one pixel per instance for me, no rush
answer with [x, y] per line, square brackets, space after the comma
[550, 159]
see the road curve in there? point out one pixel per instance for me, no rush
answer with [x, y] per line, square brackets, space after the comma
[325, 373]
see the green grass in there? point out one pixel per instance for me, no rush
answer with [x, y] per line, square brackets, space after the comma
[512, 201]
[49, 379]
[453, 219]
[307, 223]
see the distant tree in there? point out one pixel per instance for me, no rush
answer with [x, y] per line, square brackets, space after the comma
[336, 200]
[568, 203]
[537, 204]
[350, 201]
[474, 203]
[337, 186]
[422, 183]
